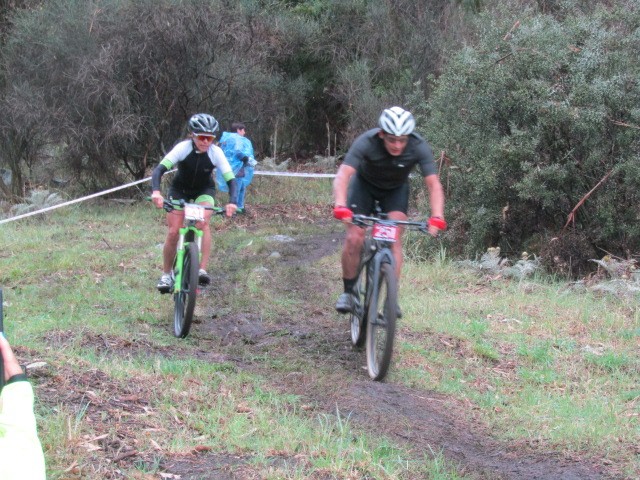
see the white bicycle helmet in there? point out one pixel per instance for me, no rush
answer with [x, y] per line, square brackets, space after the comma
[203, 123]
[397, 121]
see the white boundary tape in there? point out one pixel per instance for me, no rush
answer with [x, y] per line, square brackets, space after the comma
[291, 174]
[82, 199]
[94, 195]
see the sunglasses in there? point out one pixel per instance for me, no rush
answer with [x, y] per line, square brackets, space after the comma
[205, 138]
[395, 140]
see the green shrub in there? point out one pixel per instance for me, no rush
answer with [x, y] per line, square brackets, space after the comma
[532, 121]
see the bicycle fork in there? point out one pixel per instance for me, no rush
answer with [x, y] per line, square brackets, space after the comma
[383, 255]
[180, 249]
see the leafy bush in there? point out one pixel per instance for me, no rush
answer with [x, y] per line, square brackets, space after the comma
[115, 81]
[540, 120]
[110, 84]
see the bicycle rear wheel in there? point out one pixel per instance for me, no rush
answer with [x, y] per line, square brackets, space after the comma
[185, 298]
[382, 322]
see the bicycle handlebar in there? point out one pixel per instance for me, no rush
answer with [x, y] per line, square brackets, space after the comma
[368, 221]
[170, 205]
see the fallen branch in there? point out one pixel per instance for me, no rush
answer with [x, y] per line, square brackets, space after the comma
[572, 216]
[622, 124]
[447, 161]
[508, 35]
[124, 455]
[503, 57]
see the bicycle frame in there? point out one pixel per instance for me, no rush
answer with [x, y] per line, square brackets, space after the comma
[183, 241]
[191, 217]
[186, 262]
[379, 253]
[380, 250]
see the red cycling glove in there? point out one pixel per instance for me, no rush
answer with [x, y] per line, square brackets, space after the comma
[342, 213]
[437, 222]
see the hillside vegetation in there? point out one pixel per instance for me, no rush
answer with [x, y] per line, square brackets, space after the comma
[531, 106]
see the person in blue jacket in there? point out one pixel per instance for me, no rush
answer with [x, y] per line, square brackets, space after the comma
[21, 456]
[239, 152]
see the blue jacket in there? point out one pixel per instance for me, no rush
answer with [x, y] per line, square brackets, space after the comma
[235, 148]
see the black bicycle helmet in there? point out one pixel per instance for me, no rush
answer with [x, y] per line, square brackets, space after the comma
[203, 123]
[397, 121]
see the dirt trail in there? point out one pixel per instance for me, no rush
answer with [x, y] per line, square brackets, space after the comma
[420, 420]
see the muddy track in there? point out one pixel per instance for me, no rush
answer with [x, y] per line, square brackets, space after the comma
[333, 382]
[420, 420]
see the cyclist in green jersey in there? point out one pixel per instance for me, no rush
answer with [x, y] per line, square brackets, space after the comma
[196, 160]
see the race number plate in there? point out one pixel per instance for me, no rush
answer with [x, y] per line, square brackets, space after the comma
[386, 233]
[193, 211]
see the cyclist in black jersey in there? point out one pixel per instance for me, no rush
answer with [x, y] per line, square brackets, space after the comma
[377, 167]
[196, 159]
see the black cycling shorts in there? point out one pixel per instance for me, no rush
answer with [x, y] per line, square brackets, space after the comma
[191, 196]
[362, 195]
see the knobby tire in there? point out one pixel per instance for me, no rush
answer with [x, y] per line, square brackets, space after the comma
[382, 317]
[358, 319]
[185, 299]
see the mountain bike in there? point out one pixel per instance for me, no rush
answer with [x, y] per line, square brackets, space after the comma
[374, 318]
[186, 265]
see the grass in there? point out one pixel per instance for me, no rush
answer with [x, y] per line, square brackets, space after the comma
[541, 363]
[538, 362]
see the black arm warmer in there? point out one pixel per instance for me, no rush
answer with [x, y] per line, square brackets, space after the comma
[233, 191]
[156, 176]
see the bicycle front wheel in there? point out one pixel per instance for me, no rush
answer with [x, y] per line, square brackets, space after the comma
[358, 318]
[185, 297]
[382, 322]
